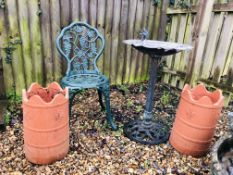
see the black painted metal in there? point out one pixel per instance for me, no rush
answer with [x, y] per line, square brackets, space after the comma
[148, 131]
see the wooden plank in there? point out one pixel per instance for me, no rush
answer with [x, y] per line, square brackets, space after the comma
[226, 7]
[172, 38]
[137, 29]
[46, 41]
[130, 31]
[229, 59]
[188, 40]
[211, 43]
[122, 47]
[101, 26]
[75, 14]
[200, 34]
[180, 38]
[223, 47]
[17, 59]
[93, 5]
[65, 13]
[115, 40]
[143, 58]
[36, 40]
[108, 37]
[151, 28]
[55, 29]
[7, 68]
[84, 11]
[25, 38]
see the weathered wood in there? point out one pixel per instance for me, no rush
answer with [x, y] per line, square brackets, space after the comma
[17, 59]
[200, 34]
[115, 40]
[172, 38]
[108, 37]
[93, 5]
[65, 13]
[152, 34]
[75, 10]
[137, 29]
[122, 47]
[211, 43]
[185, 57]
[46, 41]
[223, 47]
[55, 29]
[130, 28]
[7, 68]
[143, 60]
[36, 40]
[180, 38]
[84, 11]
[226, 7]
[101, 25]
[25, 38]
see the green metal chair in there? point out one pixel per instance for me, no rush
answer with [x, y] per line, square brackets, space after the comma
[82, 45]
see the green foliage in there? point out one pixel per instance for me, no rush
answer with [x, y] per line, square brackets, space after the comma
[10, 48]
[165, 99]
[13, 107]
[156, 2]
[183, 4]
[129, 103]
[139, 108]
[123, 88]
[7, 118]
[2, 4]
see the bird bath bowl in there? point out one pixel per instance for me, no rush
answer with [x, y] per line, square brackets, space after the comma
[148, 130]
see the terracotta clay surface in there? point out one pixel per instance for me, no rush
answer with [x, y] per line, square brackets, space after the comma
[196, 119]
[45, 123]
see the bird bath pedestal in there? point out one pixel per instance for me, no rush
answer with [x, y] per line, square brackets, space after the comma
[148, 130]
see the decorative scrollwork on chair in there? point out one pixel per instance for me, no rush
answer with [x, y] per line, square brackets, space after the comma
[82, 45]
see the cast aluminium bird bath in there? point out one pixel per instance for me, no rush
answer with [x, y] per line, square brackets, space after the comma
[148, 130]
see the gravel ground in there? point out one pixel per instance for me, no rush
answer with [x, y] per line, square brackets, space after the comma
[95, 149]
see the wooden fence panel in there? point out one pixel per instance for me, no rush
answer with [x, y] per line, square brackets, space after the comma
[17, 57]
[37, 23]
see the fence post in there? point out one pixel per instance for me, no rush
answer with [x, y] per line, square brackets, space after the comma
[200, 30]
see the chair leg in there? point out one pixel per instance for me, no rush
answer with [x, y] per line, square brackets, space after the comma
[106, 92]
[71, 99]
[101, 100]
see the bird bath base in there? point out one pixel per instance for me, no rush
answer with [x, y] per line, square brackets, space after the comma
[147, 131]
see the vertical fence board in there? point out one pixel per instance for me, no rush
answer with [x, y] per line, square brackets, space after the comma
[55, 29]
[115, 40]
[172, 38]
[17, 59]
[65, 12]
[108, 37]
[180, 38]
[131, 19]
[137, 29]
[122, 47]
[101, 25]
[93, 5]
[84, 10]
[25, 38]
[141, 70]
[36, 40]
[185, 55]
[46, 41]
[202, 26]
[7, 68]
[211, 44]
[223, 47]
[75, 14]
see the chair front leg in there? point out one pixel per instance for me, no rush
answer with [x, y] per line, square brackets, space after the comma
[72, 94]
[106, 92]
[101, 99]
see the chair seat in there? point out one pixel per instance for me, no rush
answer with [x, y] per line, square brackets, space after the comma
[82, 81]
